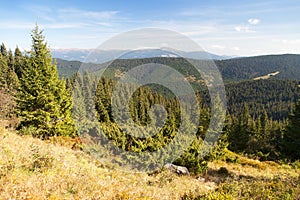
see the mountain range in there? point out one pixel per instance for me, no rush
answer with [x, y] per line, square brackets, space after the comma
[99, 56]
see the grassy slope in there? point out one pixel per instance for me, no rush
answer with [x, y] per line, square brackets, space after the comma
[34, 169]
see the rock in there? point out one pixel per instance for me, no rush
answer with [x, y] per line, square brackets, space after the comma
[201, 179]
[180, 170]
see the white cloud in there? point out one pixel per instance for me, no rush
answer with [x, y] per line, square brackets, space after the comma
[64, 25]
[103, 24]
[235, 48]
[29, 25]
[216, 46]
[77, 13]
[243, 29]
[296, 41]
[247, 28]
[254, 21]
[190, 29]
[42, 12]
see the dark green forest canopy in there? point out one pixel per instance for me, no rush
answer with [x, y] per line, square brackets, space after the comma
[276, 94]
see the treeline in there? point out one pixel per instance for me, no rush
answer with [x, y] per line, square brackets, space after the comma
[276, 97]
[10, 64]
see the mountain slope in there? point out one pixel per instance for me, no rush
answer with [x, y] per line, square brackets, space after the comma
[236, 69]
[35, 169]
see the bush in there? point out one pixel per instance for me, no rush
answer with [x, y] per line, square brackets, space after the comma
[296, 164]
[223, 171]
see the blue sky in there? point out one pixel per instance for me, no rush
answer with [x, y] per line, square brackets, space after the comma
[221, 27]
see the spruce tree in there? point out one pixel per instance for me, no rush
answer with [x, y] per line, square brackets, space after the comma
[19, 61]
[291, 138]
[44, 104]
[3, 50]
[3, 72]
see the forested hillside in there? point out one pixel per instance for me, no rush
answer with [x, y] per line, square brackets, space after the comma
[236, 69]
[275, 95]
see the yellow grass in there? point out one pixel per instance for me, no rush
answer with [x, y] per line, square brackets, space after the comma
[35, 169]
[253, 168]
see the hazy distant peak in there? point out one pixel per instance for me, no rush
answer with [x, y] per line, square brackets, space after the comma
[106, 55]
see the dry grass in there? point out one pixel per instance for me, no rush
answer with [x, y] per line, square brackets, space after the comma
[248, 179]
[34, 169]
[241, 166]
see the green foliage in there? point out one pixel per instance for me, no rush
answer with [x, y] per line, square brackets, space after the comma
[291, 137]
[8, 85]
[43, 102]
[8, 78]
[19, 62]
[257, 138]
[296, 164]
[237, 69]
[251, 67]
[276, 96]
[154, 138]
[272, 97]
[192, 158]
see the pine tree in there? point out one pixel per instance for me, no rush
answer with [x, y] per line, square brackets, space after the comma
[3, 50]
[240, 134]
[3, 72]
[11, 60]
[8, 86]
[19, 62]
[44, 104]
[291, 138]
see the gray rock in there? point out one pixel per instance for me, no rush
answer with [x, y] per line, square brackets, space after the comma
[180, 170]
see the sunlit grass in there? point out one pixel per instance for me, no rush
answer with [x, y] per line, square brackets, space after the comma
[35, 169]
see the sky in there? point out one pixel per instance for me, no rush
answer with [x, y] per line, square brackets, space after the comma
[240, 28]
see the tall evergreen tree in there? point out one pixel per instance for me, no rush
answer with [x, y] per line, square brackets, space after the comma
[44, 104]
[3, 72]
[291, 138]
[3, 50]
[19, 61]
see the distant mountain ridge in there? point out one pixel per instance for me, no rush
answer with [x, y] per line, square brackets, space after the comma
[106, 55]
[236, 69]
